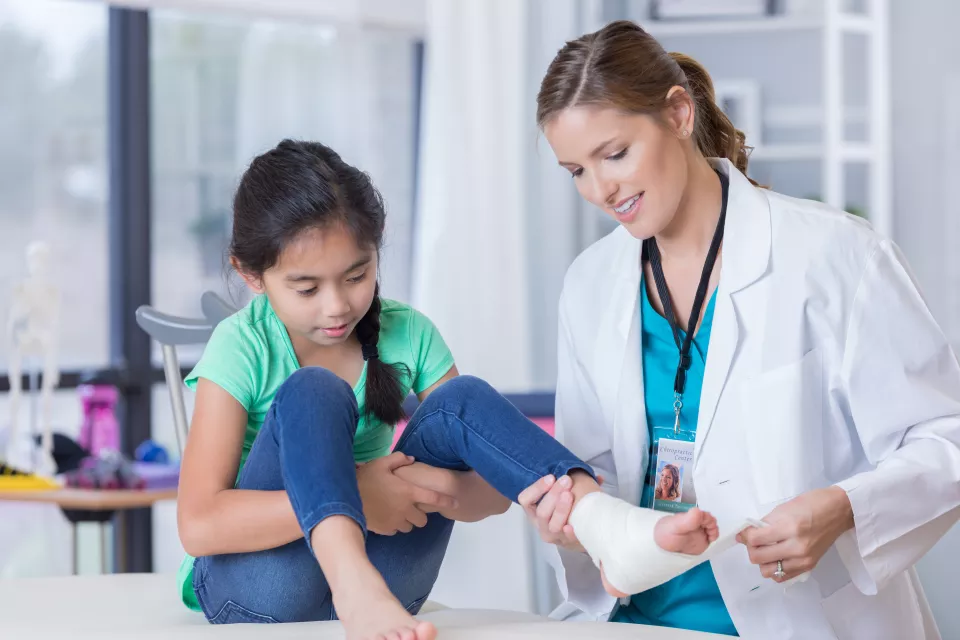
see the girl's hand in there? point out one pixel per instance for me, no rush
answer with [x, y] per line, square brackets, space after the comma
[391, 504]
[800, 532]
[476, 498]
[548, 503]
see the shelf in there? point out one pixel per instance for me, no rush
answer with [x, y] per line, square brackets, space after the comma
[850, 152]
[784, 152]
[856, 152]
[856, 23]
[853, 23]
[809, 116]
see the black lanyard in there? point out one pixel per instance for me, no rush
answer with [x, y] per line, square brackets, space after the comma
[652, 253]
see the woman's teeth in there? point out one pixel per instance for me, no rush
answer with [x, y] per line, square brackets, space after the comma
[626, 205]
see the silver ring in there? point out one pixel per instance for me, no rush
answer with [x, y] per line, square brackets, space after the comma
[779, 574]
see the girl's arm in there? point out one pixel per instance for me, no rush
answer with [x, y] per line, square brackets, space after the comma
[215, 518]
[212, 516]
[476, 499]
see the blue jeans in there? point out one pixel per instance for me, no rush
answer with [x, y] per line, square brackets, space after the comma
[305, 447]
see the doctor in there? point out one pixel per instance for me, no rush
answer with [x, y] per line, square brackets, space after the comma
[775, 350]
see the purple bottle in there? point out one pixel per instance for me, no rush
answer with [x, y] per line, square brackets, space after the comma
[100, 432]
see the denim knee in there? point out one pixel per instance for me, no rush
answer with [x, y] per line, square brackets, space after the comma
[463, 388]
[313, 391]
[316, 381]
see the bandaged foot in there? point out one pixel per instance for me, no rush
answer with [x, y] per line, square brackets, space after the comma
[623, 539]
[689, 532]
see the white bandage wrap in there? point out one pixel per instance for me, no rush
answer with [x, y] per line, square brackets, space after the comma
[620, 536]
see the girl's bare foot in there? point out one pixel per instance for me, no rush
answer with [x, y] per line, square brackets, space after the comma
[361, 598]
[369, 611]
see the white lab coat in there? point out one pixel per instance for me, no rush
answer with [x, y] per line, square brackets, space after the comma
[824, 367]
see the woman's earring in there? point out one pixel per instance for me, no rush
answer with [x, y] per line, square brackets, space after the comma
[685, 133]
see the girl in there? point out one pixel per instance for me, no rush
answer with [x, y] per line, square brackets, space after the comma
[779, 347]
[288, 498]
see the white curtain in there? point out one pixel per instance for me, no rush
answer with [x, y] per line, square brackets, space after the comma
[560, 223]
[470, 268]
[498, 221]
[497, 224]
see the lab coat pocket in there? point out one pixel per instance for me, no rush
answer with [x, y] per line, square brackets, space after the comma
[884, 616]
[783, 427]
[842, 609]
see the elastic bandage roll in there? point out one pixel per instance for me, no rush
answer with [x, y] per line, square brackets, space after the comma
[621, 536]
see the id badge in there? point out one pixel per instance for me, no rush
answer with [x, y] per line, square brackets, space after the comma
[672, 463]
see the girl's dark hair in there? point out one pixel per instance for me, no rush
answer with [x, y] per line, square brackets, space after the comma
[624, 67]
[305, 185]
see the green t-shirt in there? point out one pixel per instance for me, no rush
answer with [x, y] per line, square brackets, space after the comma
[250, 355]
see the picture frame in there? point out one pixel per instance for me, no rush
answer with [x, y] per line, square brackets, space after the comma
[740, 100]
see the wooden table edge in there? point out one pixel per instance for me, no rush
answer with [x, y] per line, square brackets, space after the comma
[91, 499]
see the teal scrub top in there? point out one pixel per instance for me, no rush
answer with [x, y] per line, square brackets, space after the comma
[691, 600]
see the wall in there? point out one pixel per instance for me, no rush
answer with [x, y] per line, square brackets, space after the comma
[926, 144]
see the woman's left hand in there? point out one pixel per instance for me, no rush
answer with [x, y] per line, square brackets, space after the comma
[799, 533]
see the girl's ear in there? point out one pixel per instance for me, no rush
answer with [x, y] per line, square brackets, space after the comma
[254, 283]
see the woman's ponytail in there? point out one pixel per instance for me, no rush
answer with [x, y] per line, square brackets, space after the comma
[714, 133]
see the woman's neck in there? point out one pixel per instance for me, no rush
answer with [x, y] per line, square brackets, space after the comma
[689, 234]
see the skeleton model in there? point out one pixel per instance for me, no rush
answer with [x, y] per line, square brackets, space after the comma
[32, 332]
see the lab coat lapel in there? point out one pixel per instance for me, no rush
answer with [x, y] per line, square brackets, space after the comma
[619, 366]
[746, 256]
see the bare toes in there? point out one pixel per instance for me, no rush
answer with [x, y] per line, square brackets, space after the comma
[426, 631]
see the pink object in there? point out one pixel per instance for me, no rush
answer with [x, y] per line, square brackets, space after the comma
[547, 424]
[100, 431]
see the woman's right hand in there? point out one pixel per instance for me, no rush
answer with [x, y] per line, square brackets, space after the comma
[548, 503]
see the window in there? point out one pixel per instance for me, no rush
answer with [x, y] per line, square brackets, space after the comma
[53, 175]
[225, 89]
